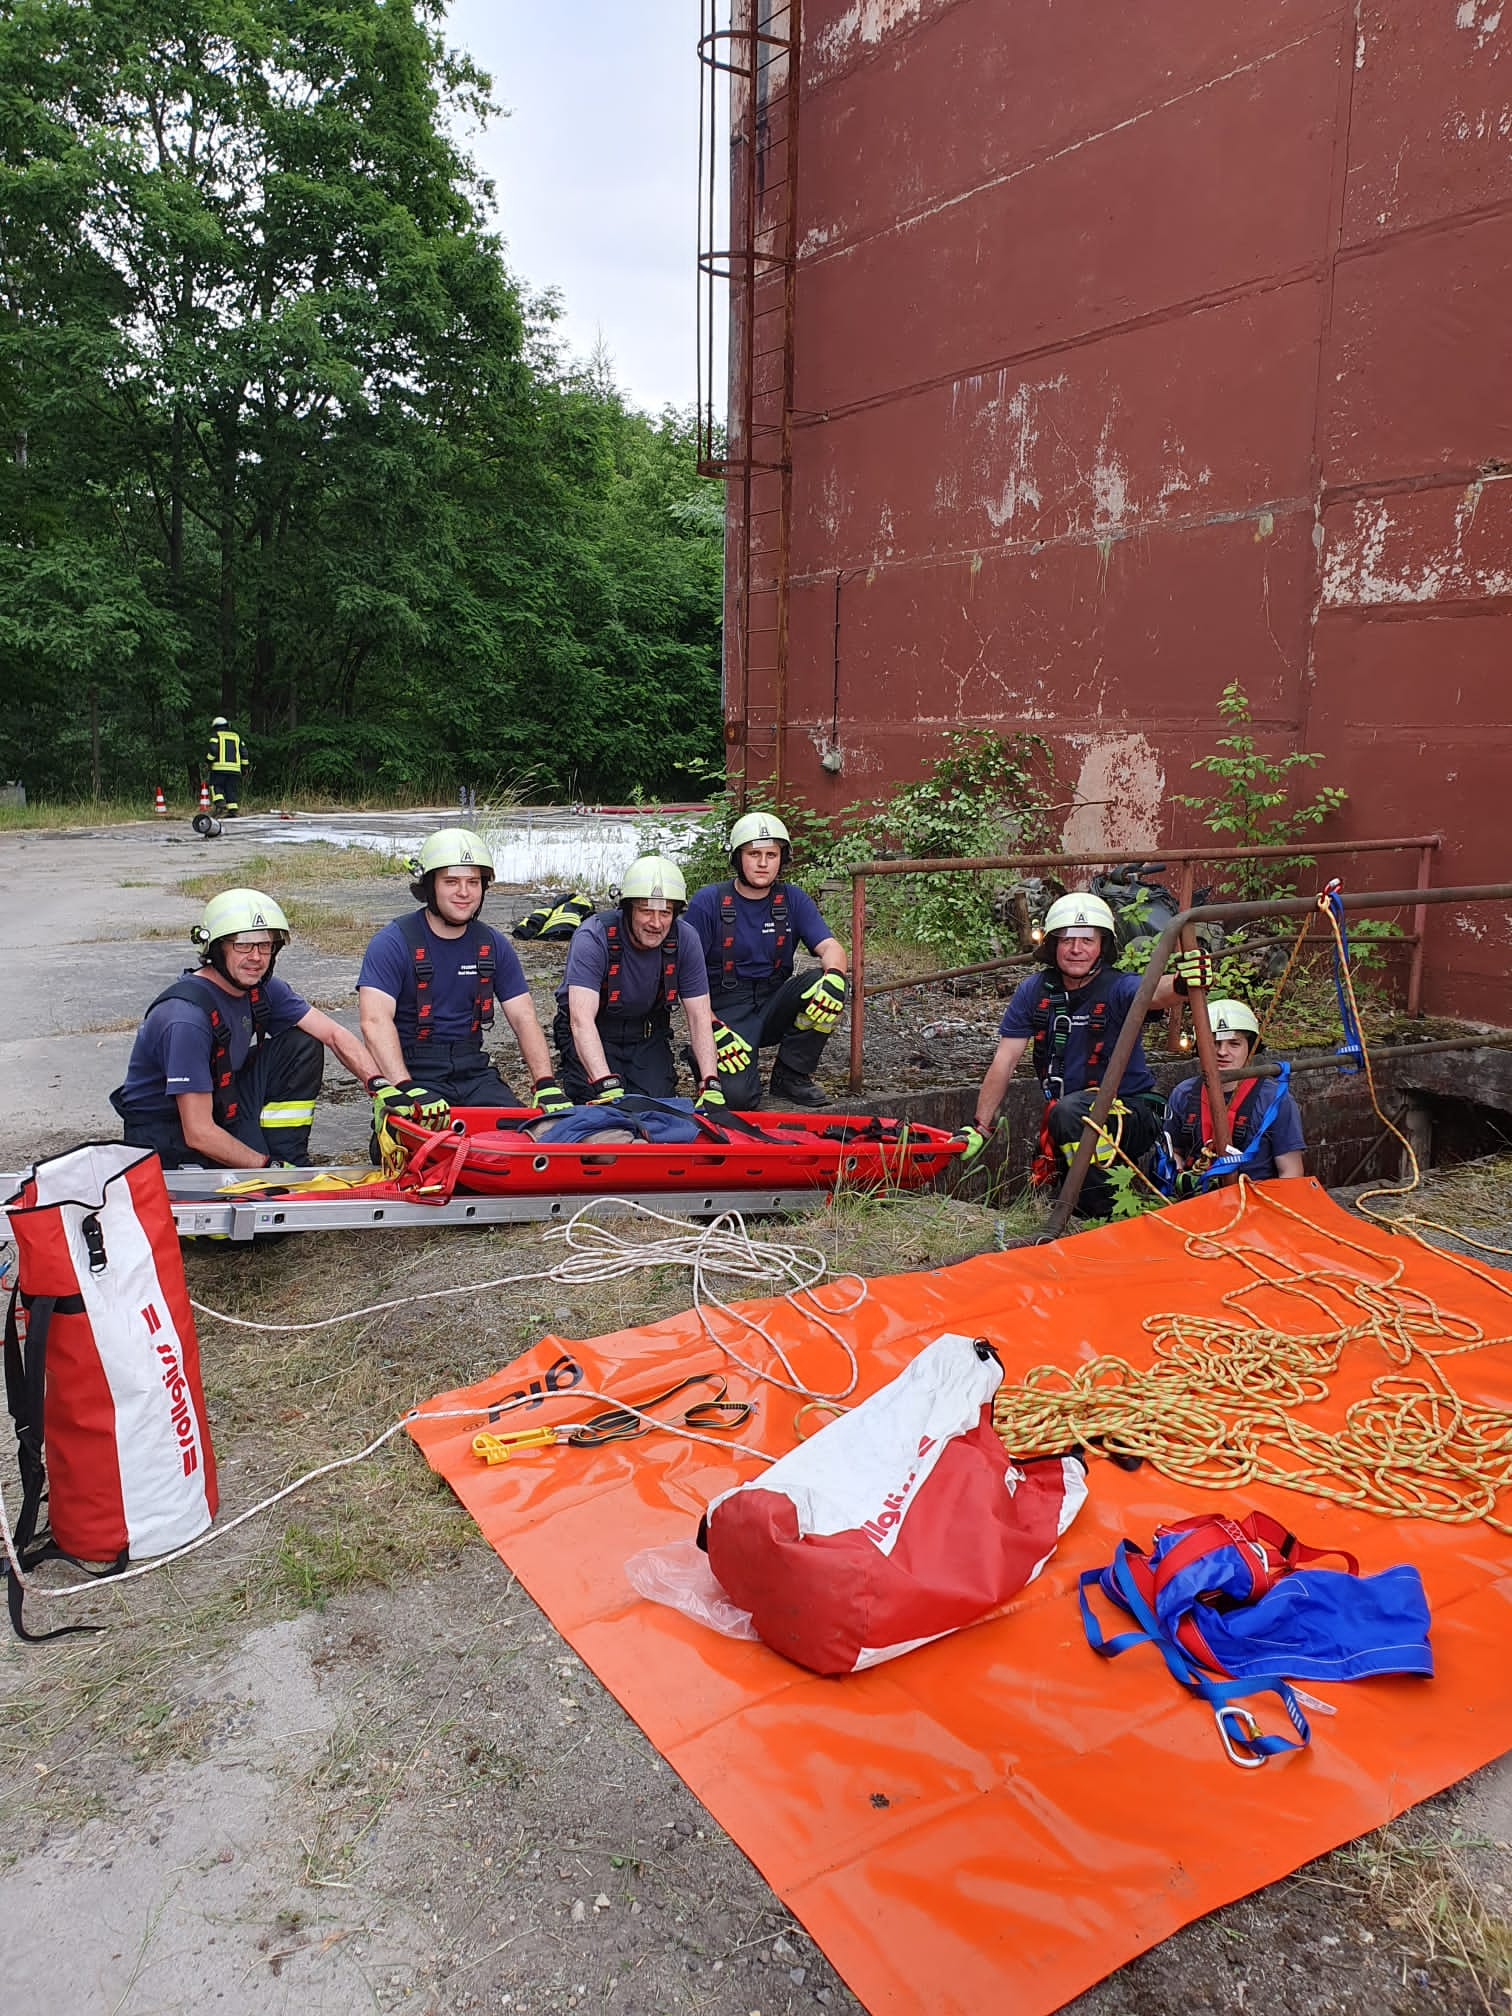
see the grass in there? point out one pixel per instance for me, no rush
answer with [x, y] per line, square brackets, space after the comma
[1427, 1891]
[45, 813]
[309, 865]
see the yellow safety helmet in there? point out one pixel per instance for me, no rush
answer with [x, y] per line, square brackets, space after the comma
[653, 877]
[234, 911]
[454, 847]
[241, 910]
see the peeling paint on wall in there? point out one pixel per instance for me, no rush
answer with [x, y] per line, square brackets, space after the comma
[1119, 793]
[1479, 19]
[862, 26]
[1378, 561]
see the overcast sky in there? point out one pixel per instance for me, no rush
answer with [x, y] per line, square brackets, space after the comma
[595, 171]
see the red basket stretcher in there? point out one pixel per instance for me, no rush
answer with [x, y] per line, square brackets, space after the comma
[485, 1152]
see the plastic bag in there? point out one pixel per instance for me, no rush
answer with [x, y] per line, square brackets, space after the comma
[679, 1575]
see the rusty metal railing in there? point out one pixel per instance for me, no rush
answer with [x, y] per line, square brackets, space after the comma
[1187, 859]
[1165, 945]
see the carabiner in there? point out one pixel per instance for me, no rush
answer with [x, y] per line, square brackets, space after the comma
[1248, 1732]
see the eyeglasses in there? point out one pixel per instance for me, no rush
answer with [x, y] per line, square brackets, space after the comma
[245, 941]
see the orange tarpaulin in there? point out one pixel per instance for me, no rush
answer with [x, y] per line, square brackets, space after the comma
[999, 1819]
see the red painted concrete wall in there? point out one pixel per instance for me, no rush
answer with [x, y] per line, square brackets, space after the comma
[1142, 349]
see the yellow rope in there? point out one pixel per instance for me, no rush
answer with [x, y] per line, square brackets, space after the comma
[1227, 1403]
[1275, 1001]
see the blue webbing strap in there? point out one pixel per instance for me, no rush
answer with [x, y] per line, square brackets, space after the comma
[1236, 1159]
[1351, 1050]
[1245, 1746]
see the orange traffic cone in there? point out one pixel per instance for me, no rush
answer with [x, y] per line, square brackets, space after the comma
[204, 803]
[160, 804]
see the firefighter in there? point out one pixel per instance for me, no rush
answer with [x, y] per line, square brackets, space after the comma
[228, 1061]
[749, 929]
[1072, 1014]
[627, 969]
[427, 989]
[1264, 1124]
[225, 759]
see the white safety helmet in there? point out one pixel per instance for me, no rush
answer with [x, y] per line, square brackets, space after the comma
[653, 878]
[220, 721]
[1078, 910]
[1233, 1018]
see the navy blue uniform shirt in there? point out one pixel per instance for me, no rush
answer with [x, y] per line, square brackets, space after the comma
[640, 972]
[387, 965]
[755, 932]
[1118, 991]
[171, 1053]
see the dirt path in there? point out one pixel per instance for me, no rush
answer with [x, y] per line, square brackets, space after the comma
[341, 1763]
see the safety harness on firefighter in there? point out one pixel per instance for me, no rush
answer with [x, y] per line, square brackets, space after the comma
[781, 957]
[1222, 1602]
[1051, 1018]
[1251, 1111]
[611, 990]
[201, 995]
[412, 930]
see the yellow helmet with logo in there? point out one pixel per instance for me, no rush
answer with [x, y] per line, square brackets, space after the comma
[756, 826]
[227, 916]
[237, 910]
[653, 878]
[455, 847]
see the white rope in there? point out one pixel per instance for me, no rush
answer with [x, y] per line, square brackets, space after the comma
[598, 1254]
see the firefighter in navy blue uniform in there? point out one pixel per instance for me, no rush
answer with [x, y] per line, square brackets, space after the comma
[627, 969]
[749, 928]
[1071, 1014]
[427, 989]
[228, 1060]
[1258, 1118]
[225, 759]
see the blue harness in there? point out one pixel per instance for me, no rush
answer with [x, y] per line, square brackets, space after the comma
[1174, 1181]
[1224, 1604]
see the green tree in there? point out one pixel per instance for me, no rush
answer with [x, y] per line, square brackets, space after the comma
[289, 442]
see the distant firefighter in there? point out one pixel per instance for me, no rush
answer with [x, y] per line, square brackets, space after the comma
[226, 758]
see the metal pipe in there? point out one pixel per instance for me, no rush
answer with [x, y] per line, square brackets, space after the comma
[1184, 886]
[948, 973]
[943, 865]
[1207, 1052]
[857, 978]
[1419, 927]
[1384, 1053]
[1221, 913]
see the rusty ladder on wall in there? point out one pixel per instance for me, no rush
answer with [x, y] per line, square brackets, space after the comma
[755, 43]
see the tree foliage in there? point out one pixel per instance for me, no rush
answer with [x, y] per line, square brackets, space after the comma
[288, 442]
